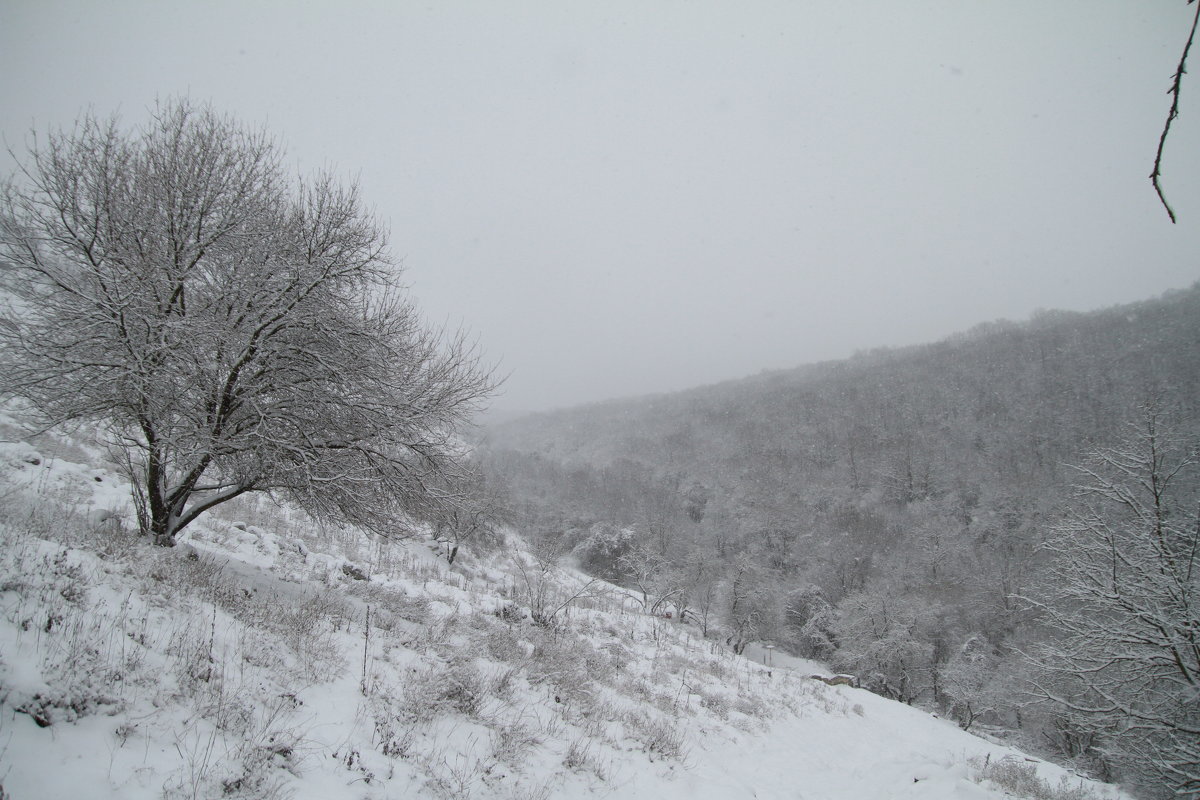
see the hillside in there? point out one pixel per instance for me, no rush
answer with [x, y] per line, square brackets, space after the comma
[1056, 374]
[885, 513]
[270, 657]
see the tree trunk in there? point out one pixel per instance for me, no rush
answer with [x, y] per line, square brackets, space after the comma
[162, 526]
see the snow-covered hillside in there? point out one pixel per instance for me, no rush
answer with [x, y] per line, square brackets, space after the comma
[268, 656]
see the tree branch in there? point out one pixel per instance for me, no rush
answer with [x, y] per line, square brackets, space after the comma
[1172, 114]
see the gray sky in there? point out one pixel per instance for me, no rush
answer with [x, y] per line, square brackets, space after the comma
[630, 196]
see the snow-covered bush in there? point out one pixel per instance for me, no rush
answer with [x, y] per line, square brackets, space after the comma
[435, 690]
[600, 552]
[659, 735]
[1019, 777]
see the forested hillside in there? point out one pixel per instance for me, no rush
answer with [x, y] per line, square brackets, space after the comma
[884, 513]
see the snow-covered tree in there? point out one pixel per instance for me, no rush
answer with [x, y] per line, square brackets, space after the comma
[810, 620]
[968, 681]
[882, 637]
[231, 329]
[474, 517]
[697, 581]
[1124, 600]
[602, 548]
[648, 571]
[751, 603]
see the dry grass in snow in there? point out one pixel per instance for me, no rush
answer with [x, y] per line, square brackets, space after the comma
[268, 656]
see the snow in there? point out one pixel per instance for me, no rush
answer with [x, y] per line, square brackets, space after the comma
[241, 664]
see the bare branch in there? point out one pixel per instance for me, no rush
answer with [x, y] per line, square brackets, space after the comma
[1176, 81]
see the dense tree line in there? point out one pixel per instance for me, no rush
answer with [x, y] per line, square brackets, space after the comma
[891, 513]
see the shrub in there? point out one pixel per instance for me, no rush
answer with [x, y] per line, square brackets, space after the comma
[716, 703]
[438, 690]
[512, 744]
[1019, 777]
[658, 736]
[579, 757]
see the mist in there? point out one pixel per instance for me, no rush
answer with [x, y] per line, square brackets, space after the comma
[624, 198]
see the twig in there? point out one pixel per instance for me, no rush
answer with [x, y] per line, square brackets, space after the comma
[366, 641]
[1174, 112]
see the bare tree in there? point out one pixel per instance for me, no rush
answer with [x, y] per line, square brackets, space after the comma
[546, 588]
[968, 681]
[694, 586]
[650, 573]
[752, 604]
[231, 330]
[1124, 599]
[473, 518]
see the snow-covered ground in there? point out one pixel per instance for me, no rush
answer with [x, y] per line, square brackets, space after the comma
[271, 657]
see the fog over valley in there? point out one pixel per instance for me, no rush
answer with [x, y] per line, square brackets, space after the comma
[627, 198]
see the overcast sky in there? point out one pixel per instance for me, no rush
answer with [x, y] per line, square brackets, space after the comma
[630, 196]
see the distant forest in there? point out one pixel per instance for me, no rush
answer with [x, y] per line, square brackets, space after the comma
[888, 513]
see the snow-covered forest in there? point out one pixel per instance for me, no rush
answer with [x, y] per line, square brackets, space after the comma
[969, 526]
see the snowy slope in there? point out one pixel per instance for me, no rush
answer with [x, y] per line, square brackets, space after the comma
[271, 657]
